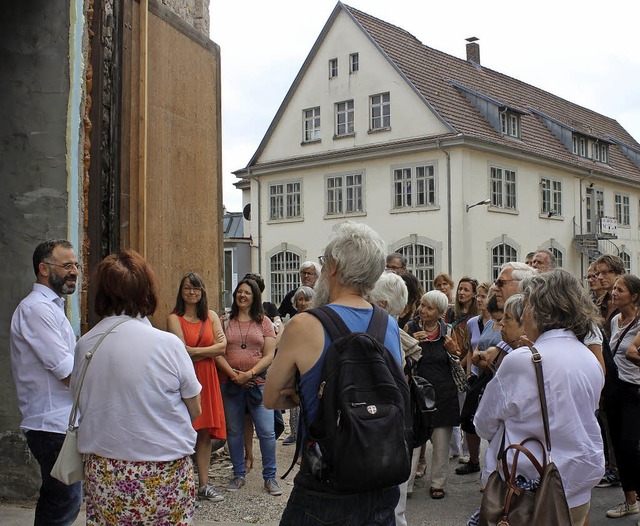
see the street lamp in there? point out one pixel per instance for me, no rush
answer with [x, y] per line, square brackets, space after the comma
[483, 202]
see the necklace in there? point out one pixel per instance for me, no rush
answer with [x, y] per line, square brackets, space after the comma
[243, 337]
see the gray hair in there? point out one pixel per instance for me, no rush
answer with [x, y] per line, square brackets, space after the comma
[515, 306]
[436, 299]
[360, 255]
[305, 291]
[309, 264]
[553, 262]
[558, 301]
[521, 271]
[391, 289]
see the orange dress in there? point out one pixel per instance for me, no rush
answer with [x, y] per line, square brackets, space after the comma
[212, 416]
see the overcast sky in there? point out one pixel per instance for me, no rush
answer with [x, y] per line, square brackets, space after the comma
[586, 52]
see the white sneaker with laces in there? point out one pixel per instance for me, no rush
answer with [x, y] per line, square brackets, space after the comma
[622, 510]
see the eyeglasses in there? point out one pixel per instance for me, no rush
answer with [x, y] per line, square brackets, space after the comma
[308, 274]
[602, 272]
[591, 276]
[190, 290]
[393, 267]
[66, 266]
[321, 259]
[501, 282]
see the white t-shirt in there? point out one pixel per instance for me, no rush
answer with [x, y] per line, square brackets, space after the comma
[573, 380]
[131, 401]
[627, 370]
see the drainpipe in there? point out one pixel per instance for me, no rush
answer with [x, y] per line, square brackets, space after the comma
[449, 235]
[143, 127]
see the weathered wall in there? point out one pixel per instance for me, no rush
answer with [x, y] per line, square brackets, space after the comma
[183, 182]
[193, 12]
[34, 94]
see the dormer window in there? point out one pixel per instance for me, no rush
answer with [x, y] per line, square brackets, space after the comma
[510, 123]
[589, 148]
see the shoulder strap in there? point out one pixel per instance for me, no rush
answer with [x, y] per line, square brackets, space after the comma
[624, 333]
[85, 364]
[201, 333]
[537, 363]
[337, 328]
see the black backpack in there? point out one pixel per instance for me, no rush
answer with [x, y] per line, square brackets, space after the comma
[361, 437]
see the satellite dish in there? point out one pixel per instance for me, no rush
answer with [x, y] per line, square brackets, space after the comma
[246, 212]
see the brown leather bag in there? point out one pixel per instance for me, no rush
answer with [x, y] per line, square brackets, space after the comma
[504, 504]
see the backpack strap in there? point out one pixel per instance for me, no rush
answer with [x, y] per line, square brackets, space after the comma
[336, 327]
[378, 324]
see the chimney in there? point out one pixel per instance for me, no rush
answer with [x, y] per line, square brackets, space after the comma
[473, 50]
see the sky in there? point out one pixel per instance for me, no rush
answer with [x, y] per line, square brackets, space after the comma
[585, 52]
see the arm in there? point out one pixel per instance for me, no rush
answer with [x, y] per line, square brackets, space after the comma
[199, 353]
[268, 352]
[632, 353]
[193, 406]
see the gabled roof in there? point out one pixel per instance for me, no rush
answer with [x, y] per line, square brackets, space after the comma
[442, 82]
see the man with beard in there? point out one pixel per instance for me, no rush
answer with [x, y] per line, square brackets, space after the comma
[42, 348]
[353, 261]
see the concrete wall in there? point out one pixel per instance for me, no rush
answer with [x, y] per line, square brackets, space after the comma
[34, 96]
[193, 12]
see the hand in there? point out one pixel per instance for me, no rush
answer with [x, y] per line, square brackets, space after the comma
[242, 377]
[421, 336]
[451, 346]
[633, 355]
[290, 392]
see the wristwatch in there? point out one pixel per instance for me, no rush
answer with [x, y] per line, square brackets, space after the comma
[253, 373]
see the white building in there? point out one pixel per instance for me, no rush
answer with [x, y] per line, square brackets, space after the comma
[379, 128]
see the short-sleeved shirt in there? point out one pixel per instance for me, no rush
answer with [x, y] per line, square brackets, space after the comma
[252, 334]
[131, 402]
[627, 370]
[42, 343]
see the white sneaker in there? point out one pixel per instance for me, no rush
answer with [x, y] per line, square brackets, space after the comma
[622, 510]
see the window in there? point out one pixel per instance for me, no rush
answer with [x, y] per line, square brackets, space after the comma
[510, 124]
[420, 262]
[626, 260]
[580, 145]
[354, 62]
[284, 200]
[503, 188]
[621, 203]
[558, 254]
[333, 68]
[551, 197]
[344, 194]
[604, 153]
[344, 118]
[312, 124]
[380, 111]
[284, 268]
[414, 186]
[501, 254]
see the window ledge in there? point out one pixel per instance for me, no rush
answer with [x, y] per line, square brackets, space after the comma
[345, 136]
[500, 210]
[342, 216]
[620, 225]
[379, 130]
[409, 209]
[543, 215]
[314, 141]
[285, 220]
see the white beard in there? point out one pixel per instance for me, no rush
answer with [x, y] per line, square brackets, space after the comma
[321, 296]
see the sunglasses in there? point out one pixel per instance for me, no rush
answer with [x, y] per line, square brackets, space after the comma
[502, 282]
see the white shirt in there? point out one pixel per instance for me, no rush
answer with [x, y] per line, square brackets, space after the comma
[42, 343]
[573, 380]
[131, 403]
[627, 370]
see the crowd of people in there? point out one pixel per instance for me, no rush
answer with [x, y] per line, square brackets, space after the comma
[152, 402]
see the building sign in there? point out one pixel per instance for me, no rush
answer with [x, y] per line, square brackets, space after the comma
[608, 225]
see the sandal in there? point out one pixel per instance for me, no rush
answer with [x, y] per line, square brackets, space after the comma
[436, 493]
[422, 468]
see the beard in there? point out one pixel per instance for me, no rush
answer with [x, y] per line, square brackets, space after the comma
[321, 296]
[60, 286]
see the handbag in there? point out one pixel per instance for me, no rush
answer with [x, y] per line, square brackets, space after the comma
[422, 399]
[504, 503]
[69, 466]
[458, 374]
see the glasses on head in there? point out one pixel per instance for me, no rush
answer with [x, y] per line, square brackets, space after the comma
[502, 282]
[66, 266]
[322, 259]
[191, 290]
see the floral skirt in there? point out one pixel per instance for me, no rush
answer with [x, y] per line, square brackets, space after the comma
[124, 493]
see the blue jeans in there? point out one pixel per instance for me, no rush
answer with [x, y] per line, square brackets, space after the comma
[58, 504]
[307, 506]
[236, 398]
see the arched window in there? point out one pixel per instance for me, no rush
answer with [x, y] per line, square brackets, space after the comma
[626, 259]
[420, 262]
[284, 274]
[501, 254]
[558, 254]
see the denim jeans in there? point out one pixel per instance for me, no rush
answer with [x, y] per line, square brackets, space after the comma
[58, 504]
[236, 398]
[307, 506]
